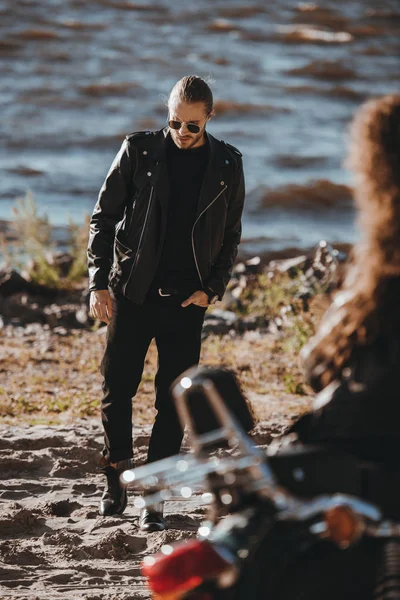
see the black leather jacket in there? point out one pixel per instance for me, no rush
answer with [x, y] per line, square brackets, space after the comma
[128, 224]
[360, 410]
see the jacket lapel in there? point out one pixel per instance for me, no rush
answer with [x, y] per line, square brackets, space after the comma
[213, 182]
[159, 177]
[215, 177]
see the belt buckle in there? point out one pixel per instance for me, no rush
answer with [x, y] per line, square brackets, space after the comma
[162, 294]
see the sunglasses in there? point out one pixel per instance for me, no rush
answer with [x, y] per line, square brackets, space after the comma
[191, 126]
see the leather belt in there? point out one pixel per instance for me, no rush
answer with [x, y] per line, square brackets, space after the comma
[164, 292]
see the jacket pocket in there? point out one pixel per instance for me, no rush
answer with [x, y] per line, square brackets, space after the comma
[125, 249]
[113, 276]
[122, 254]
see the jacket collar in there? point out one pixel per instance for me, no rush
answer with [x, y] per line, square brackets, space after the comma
[213, 143]
[214, 178]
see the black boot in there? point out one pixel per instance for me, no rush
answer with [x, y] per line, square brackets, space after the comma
[114, 498]
[151, 519]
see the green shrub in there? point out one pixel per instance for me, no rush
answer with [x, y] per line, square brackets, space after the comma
[265, 296]
[78, 235]
[34, 251]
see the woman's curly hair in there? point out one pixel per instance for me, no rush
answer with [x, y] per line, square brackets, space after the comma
[369, 303]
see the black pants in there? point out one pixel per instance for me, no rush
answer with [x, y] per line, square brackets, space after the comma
[177, 332]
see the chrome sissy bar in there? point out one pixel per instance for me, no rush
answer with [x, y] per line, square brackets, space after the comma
[182, 475]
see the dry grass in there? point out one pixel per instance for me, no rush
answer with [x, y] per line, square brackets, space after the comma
[47, 377]
[52, 376]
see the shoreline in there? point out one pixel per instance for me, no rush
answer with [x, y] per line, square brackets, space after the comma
[266, 255]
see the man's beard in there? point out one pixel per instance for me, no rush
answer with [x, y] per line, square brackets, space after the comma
[192, 141]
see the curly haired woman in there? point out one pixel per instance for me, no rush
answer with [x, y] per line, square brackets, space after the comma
[354, 359]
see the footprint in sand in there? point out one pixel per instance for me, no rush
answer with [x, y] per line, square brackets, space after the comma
[32, 443]
[88, 489]
[183, 522]
[61, 538]
[12, 553]
[16, 520]
[116, 545]
[58, 508]
[15, 463]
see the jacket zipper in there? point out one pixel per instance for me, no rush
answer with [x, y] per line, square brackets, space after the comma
[131, 219]
[140, 239]
[194, 225]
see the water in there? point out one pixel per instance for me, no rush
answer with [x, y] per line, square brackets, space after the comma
[77, 76]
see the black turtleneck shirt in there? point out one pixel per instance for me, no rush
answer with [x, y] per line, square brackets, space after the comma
[186, 169]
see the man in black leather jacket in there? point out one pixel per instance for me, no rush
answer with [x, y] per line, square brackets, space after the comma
[163, 240]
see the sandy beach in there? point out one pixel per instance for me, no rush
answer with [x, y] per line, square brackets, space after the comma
[53, 543]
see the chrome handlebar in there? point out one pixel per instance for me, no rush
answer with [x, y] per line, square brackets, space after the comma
[243, 467]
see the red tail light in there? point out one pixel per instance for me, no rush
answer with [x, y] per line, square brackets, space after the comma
[186, 567]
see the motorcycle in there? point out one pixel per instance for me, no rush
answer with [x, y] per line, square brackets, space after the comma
[293, 522]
